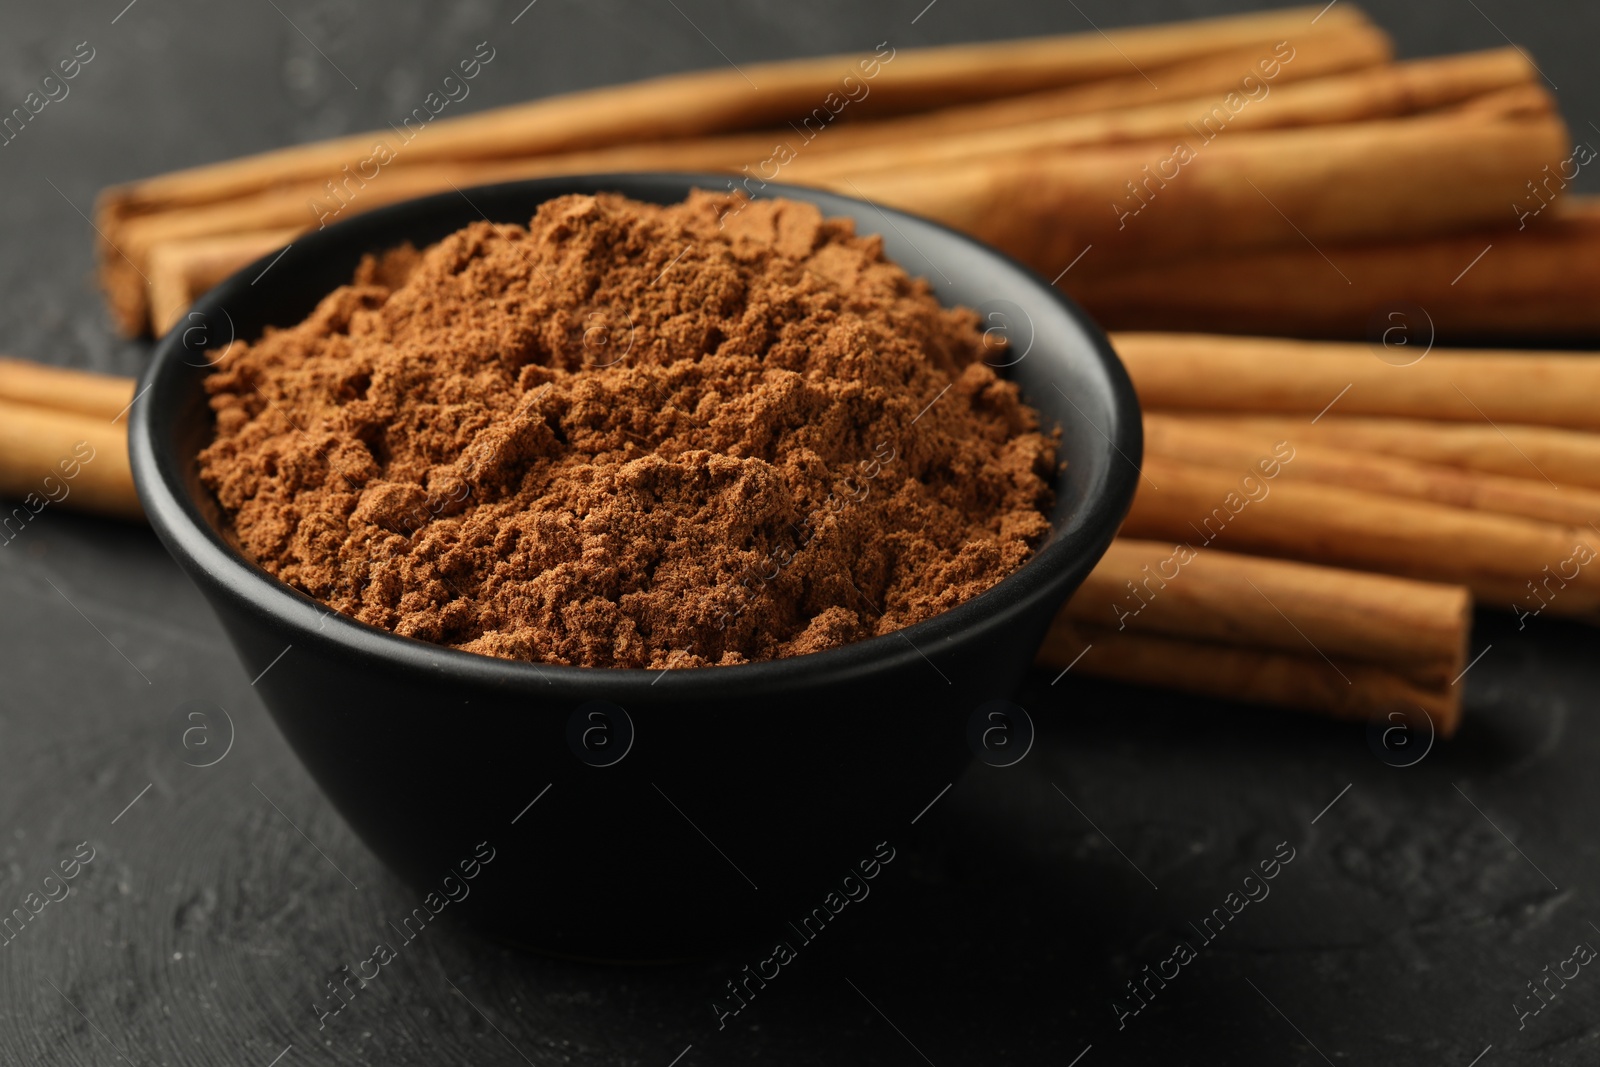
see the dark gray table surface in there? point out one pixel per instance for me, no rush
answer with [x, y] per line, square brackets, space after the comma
[220, 900]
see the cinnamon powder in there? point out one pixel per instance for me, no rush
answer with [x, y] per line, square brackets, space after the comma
[632, 436]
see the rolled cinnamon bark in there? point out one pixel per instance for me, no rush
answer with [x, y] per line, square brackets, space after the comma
[307, 203]
[1357, 181]
[709, 101]
[1532, 278]
[1415, 629]
[181, 271]
[882, 82]
[1531, 98]
[38, 385]
[202, 231]
[1244, 510]
[1248, 675]
[52, 458]
[1219, 443]
[1403, 89]
[1535, 453]
[1209, 372]
[1318, 51]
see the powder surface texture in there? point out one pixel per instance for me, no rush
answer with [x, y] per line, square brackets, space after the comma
[631, 435]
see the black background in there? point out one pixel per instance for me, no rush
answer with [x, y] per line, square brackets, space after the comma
[1416, 907]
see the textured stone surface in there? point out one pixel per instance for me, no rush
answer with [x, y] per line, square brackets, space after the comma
[206, 925]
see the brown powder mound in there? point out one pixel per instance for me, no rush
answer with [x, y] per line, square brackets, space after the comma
[632, 436]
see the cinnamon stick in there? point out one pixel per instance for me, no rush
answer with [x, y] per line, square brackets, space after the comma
[1220, 443]
[703, 102]
[81, 392]
[1352, 188]
[310, 202]
[181, 271]
[1532, 278]
[1208, 372]
[1248, 675]
[1244, 511]
[1416, 629]
[1422, 174]
[1403, 89]
[297, 207]
[1535, 453]
[51, 458]
[1318, 51]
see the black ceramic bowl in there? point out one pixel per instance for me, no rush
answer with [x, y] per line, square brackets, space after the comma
[670, 811]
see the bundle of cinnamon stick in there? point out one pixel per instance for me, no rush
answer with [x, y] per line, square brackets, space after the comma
[1470, 467]
[1312, 524]
[1158, 149]
[1243, 628]
[1183, 607]
[1495, 284]
[1457, 471]
[1314, 521]
[50, 420]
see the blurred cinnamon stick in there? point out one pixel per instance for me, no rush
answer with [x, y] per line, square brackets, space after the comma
[1244, 511]
[1248, 675]
[1318, 51]
[697, 105]
[1219, 443]
[1215, 373]
[702, 102]
[181, 271]
[1532, 280]
[1416, 629]
[1402, 89]
[1536, 453]
[26, 383]
[50, 457]
[1331, 182]
[154, 239]
[1337, 184]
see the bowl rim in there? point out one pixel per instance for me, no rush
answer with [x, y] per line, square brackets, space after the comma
[219, 568]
